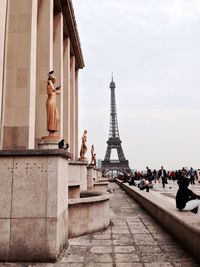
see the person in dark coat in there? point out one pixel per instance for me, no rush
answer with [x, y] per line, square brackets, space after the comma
[186, 199]
[163, 175]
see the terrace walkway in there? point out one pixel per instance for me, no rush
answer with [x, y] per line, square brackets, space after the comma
[133, 239]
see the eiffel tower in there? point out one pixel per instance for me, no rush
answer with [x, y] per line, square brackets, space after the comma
[114, 142]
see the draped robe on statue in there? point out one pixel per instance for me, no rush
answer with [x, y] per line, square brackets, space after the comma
[52, 111]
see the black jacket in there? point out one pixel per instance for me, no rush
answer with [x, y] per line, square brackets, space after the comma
[160, 173]
[183, 196]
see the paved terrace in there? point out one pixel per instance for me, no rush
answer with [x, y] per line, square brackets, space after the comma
[169, 192]
[133, 239]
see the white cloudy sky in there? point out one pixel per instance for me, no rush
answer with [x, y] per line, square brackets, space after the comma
[153, 49]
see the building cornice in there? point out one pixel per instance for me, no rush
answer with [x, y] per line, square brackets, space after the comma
[70, 29]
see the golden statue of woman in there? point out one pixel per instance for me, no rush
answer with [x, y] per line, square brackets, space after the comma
[83, 145]
[53, 117]
[93, 156]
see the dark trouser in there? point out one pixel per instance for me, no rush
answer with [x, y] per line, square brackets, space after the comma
[163, 181]
[192, 180]
[145, 187]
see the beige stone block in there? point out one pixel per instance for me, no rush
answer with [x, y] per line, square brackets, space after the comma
[78, 220]
[13, 41]
[13, 23]
[57, 233]
[29, 187]
[43, 72]
[10, 99]
[24, 41]
[62, 185]
[24, 23]
[57, 195]
[27, 239]
[51, 235]
[52, 187]
[11, 58]
[42, 102]
[23, 59]
[21, 116]
[22, 98]
[6, 172]
[101, 212]
[9, 116]
[4, 238]
[44, 59]
[62, 235]
[15, 137]
[14, 7]
[20, 7]
[22, 78]
[25, 6]
[83, 175]
[89, 178]
[42, 88]
[74, 171]
[74, 191]
[11, 77]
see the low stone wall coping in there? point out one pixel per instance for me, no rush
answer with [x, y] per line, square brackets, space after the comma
[91, 199]
[100, 183]
[35, 152]
[74, 183]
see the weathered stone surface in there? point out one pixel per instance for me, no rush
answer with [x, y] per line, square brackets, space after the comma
[106, 249]
[6, 169]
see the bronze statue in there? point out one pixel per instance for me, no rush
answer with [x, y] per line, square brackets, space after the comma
[93, 156]
[83, 145]
[53, 117]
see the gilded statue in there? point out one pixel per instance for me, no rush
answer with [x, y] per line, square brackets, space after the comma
[83, 145]
[93, 156]
[53, 117]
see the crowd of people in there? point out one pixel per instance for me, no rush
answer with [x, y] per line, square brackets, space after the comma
[186, 199]
[163, 175]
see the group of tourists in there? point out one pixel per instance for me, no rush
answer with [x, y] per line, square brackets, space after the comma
[162, 175]
[186, 199]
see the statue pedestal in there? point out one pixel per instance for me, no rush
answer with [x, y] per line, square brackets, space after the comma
[49, 142]
[34, 204]
[85, 160]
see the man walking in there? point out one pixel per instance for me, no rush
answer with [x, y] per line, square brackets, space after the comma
[163, 175]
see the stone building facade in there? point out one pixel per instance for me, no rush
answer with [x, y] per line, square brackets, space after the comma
[37, 36]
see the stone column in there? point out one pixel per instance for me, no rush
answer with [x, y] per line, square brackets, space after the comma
[3, 21]
[20, 67]
[72, 107]
[44, 63]
[66, 91]
[58, 62]
[76, 115]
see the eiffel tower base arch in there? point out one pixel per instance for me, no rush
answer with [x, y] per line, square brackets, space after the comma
[115, 165]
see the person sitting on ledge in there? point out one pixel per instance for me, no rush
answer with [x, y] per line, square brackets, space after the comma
[186, 199]
[144, 184]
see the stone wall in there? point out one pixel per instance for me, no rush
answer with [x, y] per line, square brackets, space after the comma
[33, 206]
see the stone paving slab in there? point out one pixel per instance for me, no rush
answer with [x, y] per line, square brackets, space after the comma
[133, 239]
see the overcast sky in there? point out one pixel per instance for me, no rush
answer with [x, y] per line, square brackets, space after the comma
[153, 49]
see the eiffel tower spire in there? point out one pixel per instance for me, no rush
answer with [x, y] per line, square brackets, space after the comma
[114, 141]
[113, 132]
